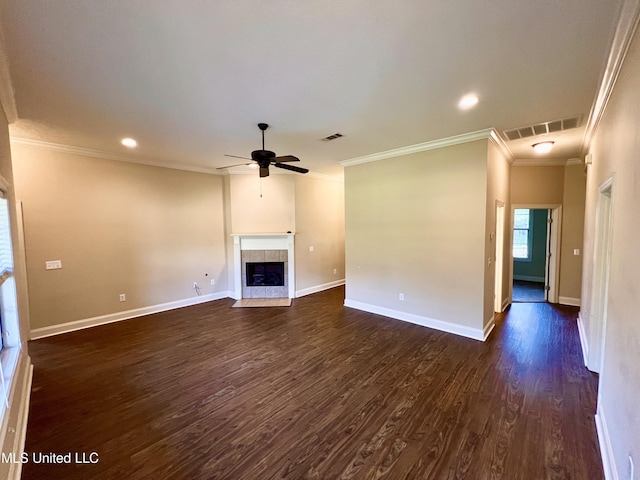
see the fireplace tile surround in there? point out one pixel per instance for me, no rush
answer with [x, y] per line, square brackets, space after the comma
[264, 256]
[263, 247]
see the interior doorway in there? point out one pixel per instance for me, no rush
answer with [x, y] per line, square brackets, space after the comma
[602, 257]
[536, 244]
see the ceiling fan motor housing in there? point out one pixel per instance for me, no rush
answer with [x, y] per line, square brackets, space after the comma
[258, 155]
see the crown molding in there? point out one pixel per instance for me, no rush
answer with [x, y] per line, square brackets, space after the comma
[546, 162]
[627, 25]
[89, 152]
[499, 142]
[488, 133]
[7, 96]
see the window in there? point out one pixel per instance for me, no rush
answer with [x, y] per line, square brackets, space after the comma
[522, 234]
[9, 330]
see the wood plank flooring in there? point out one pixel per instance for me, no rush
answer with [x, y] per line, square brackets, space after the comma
[314, 391]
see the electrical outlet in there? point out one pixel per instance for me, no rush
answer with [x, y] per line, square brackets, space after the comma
[335, 271]
[401, 297]
[123, 297]
[53, 264]
[213, 281]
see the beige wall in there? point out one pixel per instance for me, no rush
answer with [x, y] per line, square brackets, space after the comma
[537, 185]
[262, 205]
[616, 154]
[415, 224]
[320, 224]
[498, 190]
[144, 231]
[557, 185]
[573, 201]
[311, 207]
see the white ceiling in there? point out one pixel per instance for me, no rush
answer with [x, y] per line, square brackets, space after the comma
[191, 79]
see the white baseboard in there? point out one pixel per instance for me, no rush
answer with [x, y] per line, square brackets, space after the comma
[488, 328]
[462, 330]
[125, 315]
[319, 288]
[574, 302]
[529, 278]
[506, 303]
[606, 451]
[584, 344]
[14, 425]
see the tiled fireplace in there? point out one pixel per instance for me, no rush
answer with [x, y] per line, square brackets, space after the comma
[264, 265]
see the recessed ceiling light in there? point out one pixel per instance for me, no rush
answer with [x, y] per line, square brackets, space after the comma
[129, 142]
[468, 101]
[543, 147]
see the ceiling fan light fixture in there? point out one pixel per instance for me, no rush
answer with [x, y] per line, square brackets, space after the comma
[543, 147]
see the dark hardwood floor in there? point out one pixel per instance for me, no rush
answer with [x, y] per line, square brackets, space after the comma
[524, 291]
[314, 391]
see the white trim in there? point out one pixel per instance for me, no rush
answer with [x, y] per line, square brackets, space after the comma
[543, 162]
[488, 328]
[506, 303]
[574, 302]
[627, 24]
[606, 450]
[584, 343]
[319, 288]
[17, 428]
[125, 315]
[263, 241]
[7, 97]
[469, 332]
[90, 152]
[422, 147]
[499, 142]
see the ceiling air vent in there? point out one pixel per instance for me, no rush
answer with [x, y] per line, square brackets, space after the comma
[332, 137]
[543, 128]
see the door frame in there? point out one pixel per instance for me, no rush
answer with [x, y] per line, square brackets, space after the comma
[600, 279]
[554, 234]
[498, 299]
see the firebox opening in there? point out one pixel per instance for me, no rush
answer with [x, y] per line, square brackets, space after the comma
[261, 274]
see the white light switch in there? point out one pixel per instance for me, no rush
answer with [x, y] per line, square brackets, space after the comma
[576, 251]
[311, 248]
[53, 264]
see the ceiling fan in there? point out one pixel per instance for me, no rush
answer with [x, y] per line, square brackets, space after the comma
[264, 158]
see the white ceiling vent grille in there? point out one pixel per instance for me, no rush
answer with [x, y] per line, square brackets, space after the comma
[543, 128]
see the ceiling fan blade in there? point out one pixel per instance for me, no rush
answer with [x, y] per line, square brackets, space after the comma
[264, 172]
[236, 156]
[286, 158]
[291, 167]
[236, 165]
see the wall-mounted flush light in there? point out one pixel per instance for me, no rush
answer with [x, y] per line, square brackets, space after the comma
[468, 101]
[129, 142]
[542, 147]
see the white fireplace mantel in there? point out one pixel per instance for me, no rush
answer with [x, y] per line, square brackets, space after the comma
[262, 241]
